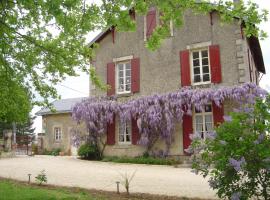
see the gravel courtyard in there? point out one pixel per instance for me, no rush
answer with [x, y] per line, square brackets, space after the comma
[69, 171]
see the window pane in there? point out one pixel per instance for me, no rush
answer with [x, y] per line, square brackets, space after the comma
[121, 138]
[128, 87]
[128, 73]
[121, 81]
[199, 119]
[196, 62]
[196, 70]
[120, 66]
[208, 126]
[204, 53]
[127, 138]
[208, 118]
[197, 78]
[128, 80]
[121, 88]
[205, 61]
[199, 127]
[195, 55]
[127, 65]
[121, 73]
[206, 77]
[208, 108]
[205, 69]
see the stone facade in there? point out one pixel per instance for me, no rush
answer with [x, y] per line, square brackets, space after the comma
[65, 122]
[160, 71]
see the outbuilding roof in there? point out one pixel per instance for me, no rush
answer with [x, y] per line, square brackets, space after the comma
[61, 106]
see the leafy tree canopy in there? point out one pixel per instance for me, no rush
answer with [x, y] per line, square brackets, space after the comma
[44, 41]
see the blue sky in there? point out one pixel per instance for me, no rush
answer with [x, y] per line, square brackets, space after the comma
[79, 86]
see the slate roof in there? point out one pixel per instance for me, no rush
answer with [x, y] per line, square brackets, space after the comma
[61, 106]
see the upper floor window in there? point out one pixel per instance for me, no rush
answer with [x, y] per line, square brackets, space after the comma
[203, 120]
[57, 134]
[125, 133]
[123, 77]
[200, 66]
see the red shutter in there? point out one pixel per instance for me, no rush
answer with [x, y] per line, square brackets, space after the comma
[111, 133]
[135, 136]
[185, 68]
[135, 75]
[218, 113]
[151, 22]
[111, 78]
[216, 75]
[187, 130]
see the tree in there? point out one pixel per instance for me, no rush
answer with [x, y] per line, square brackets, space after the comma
[27, 127]
[236, 157]
[44, 41]
[15, 99]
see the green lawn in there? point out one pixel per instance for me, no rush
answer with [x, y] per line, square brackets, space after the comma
[10, 190]
[14, 190]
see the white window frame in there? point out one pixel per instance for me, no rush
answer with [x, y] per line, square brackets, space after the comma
[57, 135]
[201, 66]
[124, 77]
[125, 142]
[203, 114]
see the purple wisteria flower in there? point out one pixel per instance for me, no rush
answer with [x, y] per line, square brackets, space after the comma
[227, 118]
[156, 114]
[195, 136]
[237, 164]
[236, 196]
[260, 139]
[211, 135]
[223, 142]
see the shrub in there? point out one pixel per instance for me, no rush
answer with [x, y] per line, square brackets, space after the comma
[141, 160]
[237, 156]
[41, 177]
[88, 152]
[55, 152]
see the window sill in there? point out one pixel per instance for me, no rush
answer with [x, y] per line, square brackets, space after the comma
[124, 94]
[122, 146]
[202, 85]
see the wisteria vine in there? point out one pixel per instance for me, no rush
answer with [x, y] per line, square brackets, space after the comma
[156, 115]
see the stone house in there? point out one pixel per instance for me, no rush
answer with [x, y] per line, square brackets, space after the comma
[203, 53]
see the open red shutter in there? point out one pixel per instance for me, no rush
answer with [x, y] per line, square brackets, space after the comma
[151, 22]
[187, 130]
[111, 133]
[135, 132]
[185, 68]
[135, 75]
[111, 78]
[216, 74]
[218, 113]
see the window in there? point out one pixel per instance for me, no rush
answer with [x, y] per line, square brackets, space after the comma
[57, 134]
[200, 66]
[203, 120]
[125, 133]
[123, 78]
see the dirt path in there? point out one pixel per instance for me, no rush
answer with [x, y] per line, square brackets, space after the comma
[69, 171]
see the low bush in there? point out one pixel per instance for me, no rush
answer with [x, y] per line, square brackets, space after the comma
[141, 160]
[55, 152]
[88, 152]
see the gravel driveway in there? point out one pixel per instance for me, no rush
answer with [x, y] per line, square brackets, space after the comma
[69, 171]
